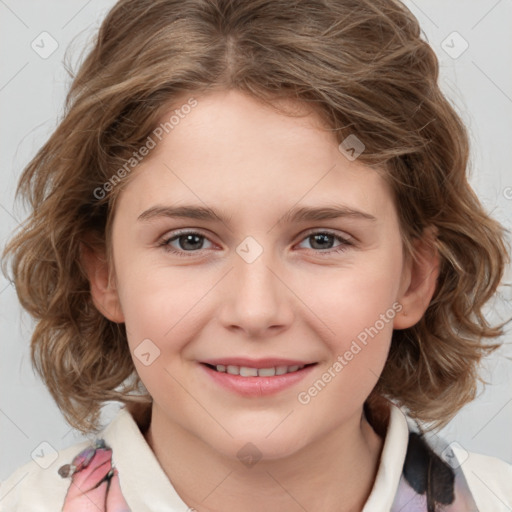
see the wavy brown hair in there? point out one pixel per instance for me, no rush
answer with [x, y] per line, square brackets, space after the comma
[365, 68]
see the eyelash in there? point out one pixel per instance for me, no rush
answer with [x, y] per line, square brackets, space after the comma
[345, 243]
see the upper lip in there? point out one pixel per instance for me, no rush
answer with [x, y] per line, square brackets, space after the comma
[269, 362]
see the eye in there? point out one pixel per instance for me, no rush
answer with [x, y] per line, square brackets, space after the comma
[193, 242]
[323, 240]
[187, 241]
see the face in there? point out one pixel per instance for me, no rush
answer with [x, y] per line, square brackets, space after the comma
[264, 288]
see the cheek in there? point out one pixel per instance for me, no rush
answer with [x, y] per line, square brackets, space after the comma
[155, 299]
[352, 299]
[358, 304]
[360, 327]
[160, 318]
[164, 309]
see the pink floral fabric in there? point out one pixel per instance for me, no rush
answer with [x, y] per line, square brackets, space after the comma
[94, 483]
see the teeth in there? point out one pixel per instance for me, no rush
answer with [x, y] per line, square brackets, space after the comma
[233, 370]
[246, 371]
[266, 372]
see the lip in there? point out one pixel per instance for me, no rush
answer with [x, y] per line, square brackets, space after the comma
[257, 386]
[256, 363]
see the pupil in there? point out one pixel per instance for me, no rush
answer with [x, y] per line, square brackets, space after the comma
[322, 236]
[190, 239]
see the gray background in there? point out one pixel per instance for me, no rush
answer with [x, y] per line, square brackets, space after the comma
[32, 89]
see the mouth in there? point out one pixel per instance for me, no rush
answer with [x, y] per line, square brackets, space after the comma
[251, 378]
[253, 371]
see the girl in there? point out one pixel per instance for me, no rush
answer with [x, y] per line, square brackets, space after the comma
[253, 228]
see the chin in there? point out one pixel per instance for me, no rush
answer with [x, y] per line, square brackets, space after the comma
[252, 445]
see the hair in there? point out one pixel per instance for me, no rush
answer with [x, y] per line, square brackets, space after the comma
[365, 69]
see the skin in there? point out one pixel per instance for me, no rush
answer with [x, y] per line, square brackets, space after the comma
[235, 155]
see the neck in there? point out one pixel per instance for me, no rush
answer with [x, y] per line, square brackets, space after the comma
[334, 474]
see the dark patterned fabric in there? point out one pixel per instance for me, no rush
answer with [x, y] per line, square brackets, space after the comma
[432, 480]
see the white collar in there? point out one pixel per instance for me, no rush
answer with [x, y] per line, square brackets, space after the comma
[144, 483]
[391, 463]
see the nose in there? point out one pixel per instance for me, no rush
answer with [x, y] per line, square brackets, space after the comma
[255, 297]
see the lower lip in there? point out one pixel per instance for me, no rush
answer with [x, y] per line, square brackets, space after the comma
[257, 386]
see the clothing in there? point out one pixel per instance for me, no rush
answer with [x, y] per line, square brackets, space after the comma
[124, 463]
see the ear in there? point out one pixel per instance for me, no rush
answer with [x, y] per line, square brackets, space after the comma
[104, 294]
[419, 280]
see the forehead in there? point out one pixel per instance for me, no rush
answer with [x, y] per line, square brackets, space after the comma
[233, 151]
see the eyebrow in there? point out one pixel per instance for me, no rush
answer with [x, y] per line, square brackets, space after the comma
[296, 214]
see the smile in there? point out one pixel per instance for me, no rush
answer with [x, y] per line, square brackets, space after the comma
[247, 371]
[256, 381]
